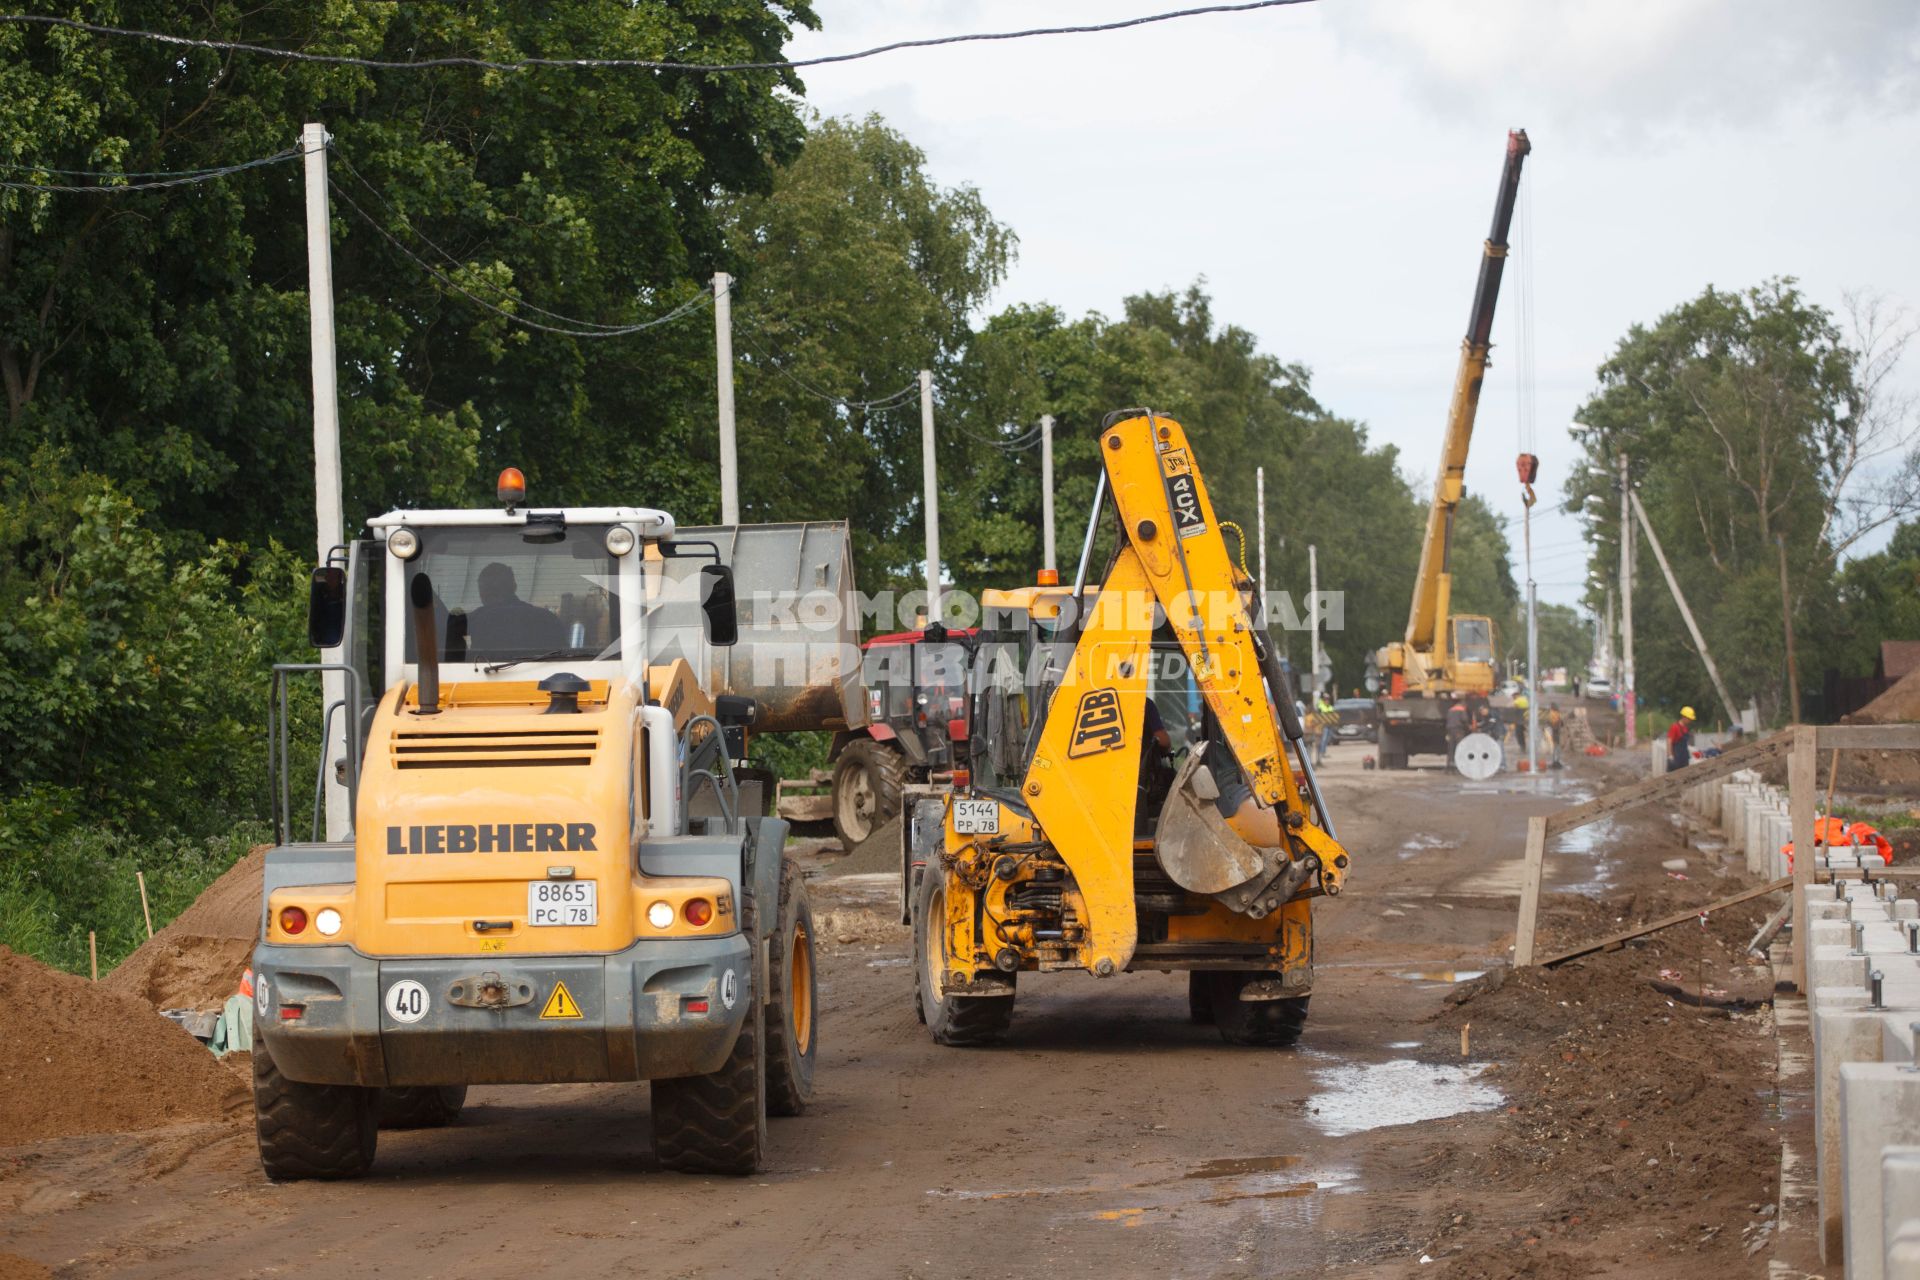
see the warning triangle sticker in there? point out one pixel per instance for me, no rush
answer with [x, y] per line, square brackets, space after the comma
[561, 1004]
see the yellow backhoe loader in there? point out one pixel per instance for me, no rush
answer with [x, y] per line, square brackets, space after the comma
[1129, 802]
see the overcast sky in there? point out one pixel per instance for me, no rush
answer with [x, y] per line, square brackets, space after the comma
[1330, 170]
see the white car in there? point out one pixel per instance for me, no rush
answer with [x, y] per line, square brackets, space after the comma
[1599, 687]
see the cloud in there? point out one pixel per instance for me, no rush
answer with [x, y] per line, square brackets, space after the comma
[1634, 68]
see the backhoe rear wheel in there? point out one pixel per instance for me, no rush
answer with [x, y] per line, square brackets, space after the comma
[953, 1019]
[792, 1021]
[718, 1123]
[422, 1107]
[311, 1130]
[867, 782]
[1269, 1023]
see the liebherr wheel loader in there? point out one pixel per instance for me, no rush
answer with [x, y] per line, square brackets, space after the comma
[553, 874]
[1085, 835]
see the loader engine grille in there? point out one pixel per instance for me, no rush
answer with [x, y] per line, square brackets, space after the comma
[494, 748]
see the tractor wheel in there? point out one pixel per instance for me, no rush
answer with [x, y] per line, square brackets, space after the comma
[1200, 998]
[1273, 1023]
[424, 1107]
[311, 1130]
[718, 1123]
[953, 1020]
[793, 1027]
[867, 780]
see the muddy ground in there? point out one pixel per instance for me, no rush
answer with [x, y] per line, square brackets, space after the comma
[1597, 1124]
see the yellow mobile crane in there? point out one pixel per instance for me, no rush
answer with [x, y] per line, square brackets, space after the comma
[1083, 833]
[1447, 655]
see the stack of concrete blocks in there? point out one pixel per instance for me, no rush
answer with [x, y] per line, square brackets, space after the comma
[1754, 816]
[1863, 1002]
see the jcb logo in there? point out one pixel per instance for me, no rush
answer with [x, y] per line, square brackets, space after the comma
[1097, 725]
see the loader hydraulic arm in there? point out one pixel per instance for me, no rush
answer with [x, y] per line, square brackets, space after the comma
[1427, 618]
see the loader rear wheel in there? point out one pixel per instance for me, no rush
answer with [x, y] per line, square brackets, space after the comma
[423, 1107]
[867, 781]
[953, 1020]
[1270, 1023]
[1200, 998]
[311, 1130]
[792, 1025]
[718, 1123]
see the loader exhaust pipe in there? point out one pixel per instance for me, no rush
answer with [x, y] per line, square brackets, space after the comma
[426, 645]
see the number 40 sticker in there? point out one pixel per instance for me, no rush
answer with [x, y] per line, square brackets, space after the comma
[407, 1001]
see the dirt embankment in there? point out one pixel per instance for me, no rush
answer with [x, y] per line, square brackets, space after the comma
[78, 1058]
[1636, 1132]
[196, 961]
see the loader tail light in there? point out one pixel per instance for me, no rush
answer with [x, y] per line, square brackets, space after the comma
[293, 920]
[698, 912]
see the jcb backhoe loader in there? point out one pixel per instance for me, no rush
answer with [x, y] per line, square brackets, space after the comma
[553, 875]
[1130, 803]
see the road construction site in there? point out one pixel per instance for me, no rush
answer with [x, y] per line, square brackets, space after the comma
[1620, 1114]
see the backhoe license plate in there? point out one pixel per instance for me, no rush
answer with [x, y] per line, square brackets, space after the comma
[562, 902]
[976, 817]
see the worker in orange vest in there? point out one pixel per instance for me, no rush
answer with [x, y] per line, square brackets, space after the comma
[1680, 741]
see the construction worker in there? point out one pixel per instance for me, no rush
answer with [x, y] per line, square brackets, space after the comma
[1325, 718]
[1520, 719]
[1556, 727]
[1680, 741]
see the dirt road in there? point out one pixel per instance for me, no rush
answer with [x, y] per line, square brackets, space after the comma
[1108, 1138]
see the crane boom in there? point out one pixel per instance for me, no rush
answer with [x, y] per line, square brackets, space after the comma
[1426, 629]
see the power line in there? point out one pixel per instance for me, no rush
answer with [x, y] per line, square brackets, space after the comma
[638, 64]
[884, 402]
[696, 303]
[176, 178]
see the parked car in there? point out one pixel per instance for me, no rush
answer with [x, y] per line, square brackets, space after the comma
[1359, 720]
[1598, 687]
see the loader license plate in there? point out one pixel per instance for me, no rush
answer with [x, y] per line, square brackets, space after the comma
[976, 817]
[562, 902]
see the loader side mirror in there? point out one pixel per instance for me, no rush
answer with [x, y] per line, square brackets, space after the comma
[717, 603]
[327, 606]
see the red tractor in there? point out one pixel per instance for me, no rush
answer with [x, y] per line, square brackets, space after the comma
[916, 728]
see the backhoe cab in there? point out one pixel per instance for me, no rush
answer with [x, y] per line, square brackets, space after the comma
[1130, 802]
[554, 873]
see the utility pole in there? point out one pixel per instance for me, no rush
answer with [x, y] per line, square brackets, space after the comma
[1786, 616]
[1693, 628]
[932, 495]
[723, 355]
[1046, 492]
[327, 504]
[1609, 647]
[1313, 611]
[1626, 603]
[1260, 528]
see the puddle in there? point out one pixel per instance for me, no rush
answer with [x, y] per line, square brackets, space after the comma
[1354, 1098]
[1404, 1044]
[1424, 842]
[1441, 975]
[1246, 1165]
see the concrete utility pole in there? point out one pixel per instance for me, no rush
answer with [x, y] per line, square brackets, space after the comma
[327, 504]
[1626, 603]
[1786, 616]
[932, 495]
[1313, 610]
[723, 356]
[1693, 628]
[1046, 492]
[1260, 529]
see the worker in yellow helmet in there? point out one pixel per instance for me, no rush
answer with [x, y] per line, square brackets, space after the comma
[1680, 741]
[1520, 719]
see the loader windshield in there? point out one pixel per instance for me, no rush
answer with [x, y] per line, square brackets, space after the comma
[500, 598]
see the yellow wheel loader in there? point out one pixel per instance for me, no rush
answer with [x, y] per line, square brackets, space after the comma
[555, 873]
[1130, 802]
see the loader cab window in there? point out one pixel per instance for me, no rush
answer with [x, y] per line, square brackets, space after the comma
[1003, 706]
[499, 598]
[1473, 639]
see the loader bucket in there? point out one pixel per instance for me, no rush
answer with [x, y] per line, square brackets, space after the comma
[1197, 848]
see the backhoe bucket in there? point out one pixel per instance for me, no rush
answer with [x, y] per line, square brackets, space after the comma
[1195, 845]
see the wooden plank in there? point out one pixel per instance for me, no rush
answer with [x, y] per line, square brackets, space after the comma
[1869, 737]
[1803, 777]
[1530, 892]
[1666, 922]
[1669, 785]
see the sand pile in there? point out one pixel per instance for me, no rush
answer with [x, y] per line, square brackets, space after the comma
[78, 1058]
[1896, 706]
[196, 961]
[878, 852]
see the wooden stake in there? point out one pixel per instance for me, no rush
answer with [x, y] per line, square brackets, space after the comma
[1530, 876]
[1464, 1028]
[1803, 775]
[145, 910]
[93, 956]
